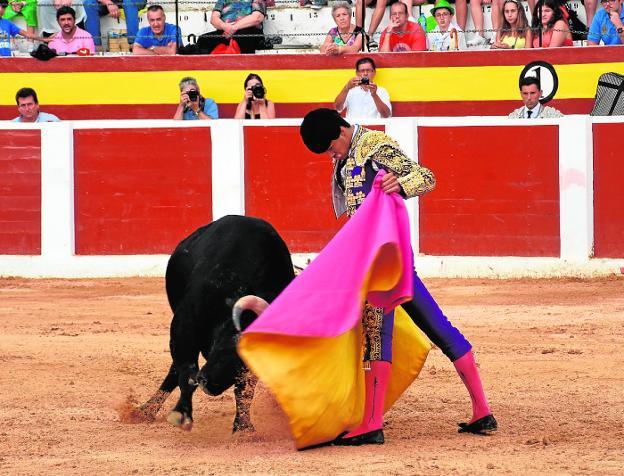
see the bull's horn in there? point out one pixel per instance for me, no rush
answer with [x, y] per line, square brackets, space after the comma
[247, 303]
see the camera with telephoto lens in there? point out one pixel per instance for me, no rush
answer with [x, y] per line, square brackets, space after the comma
[193, 94]
[258, 91]
[365, 81]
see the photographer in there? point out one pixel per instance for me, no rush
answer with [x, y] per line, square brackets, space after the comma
[193, 105]
[255, 105]
[361, 97]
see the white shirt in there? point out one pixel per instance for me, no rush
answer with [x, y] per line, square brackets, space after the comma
[441, 41]
[534, 112]
[361, 105]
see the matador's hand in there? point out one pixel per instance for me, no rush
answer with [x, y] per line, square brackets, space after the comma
[390, 184]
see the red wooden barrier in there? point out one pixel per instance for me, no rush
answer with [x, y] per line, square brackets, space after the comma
[608, 191]
[20, 192]
[497, 191]
[289, 186]
[139, 191]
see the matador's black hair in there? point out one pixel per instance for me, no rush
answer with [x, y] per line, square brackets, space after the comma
[320, 127]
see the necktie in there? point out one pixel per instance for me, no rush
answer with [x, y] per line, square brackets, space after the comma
[529, 112]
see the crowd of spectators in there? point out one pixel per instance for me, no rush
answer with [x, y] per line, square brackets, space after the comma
[241, 22]
[360, 98]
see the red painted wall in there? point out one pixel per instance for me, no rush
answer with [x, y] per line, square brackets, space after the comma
[289, 186]
[608, 191]
[140, 191]
[497, 191]
[20, 192]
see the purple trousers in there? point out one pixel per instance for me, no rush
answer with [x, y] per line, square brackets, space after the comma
[430, 319]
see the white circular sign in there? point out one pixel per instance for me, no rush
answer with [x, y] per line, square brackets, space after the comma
[546, 75]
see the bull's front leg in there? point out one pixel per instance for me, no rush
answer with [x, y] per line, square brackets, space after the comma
[244, 388]
[150, 408]
[182, 413]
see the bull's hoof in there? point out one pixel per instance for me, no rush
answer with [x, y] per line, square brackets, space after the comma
[180, 420]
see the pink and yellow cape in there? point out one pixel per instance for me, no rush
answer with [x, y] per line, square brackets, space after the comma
[307, 345]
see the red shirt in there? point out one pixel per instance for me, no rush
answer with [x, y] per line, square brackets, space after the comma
[413, 39]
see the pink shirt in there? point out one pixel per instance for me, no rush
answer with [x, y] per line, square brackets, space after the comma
[81, 39]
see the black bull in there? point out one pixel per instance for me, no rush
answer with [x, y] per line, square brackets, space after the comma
[207, 273]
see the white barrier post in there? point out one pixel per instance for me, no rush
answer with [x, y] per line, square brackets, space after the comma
[228, 168]
[57, 191]
[576, 188]
[405, 131]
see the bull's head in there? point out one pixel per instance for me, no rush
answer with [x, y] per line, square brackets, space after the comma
[247, 303]
[223, 362]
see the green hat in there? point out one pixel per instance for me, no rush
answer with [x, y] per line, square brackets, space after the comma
[442, 4]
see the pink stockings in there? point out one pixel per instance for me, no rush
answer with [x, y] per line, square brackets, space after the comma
[376, 381]
[467, 369]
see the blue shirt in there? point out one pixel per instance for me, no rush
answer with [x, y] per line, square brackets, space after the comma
[7, 30]
[210, 109]
[42, 117]
[602, 29]
[145, 36]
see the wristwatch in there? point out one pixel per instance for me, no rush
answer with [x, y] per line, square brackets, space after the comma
[619, 30]
[152, 48]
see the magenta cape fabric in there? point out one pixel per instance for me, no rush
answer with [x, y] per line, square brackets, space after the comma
[359, 263]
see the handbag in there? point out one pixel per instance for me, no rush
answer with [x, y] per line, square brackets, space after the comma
[230, 49]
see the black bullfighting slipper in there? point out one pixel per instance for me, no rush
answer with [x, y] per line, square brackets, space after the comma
[375, 437]
[482, 426]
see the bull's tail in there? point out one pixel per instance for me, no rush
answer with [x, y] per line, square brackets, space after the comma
[247, 303]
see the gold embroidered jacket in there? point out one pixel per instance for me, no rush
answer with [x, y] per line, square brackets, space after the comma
[371, 150]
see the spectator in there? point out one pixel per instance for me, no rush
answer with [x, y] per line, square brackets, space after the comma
[193, 106]
[345, 37]
[608, 24]
[476, 11]
[28, 108]
[111, 7]
[46, 15]
[553, 28]
[515, 33]
[237, 19]
[402, 35]
[531, 93]
[461, 9]
[26, 8]
[159, 38]
[71, 38]
[361, 97]
[9, 30]
[255, 105]
[447, 35]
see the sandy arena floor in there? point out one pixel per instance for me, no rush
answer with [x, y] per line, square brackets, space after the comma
[73, 351]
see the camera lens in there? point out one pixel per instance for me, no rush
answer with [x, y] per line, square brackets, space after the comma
[258, 91]
[365, 81]
[192, 94]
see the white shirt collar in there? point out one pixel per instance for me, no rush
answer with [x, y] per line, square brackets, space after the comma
[534, 112]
